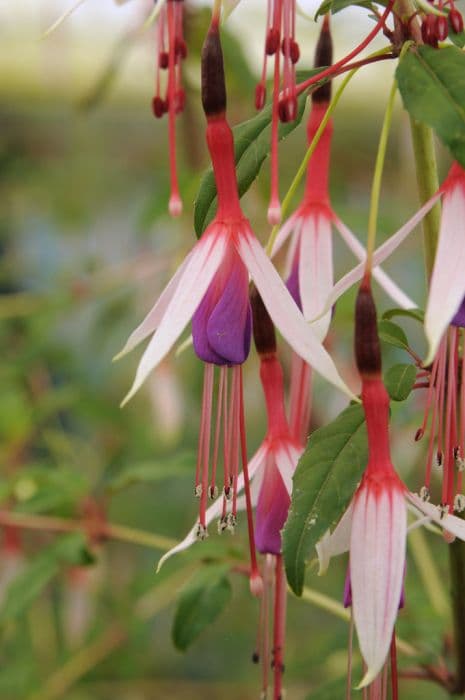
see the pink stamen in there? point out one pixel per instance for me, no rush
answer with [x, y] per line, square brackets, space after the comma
[349, 657]
[255, 577]
[279, 627]
[462, 415]
[274, 208]
[219, 404]
[300, 399]
[394, 679]
[209, 376]
[175, 204]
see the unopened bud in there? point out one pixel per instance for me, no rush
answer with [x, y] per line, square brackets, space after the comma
[428, 31]
[367, 348]
[456, 21]
[260, 96]
[263, 328]
[442, 28]
[213, 82]
[323, 58]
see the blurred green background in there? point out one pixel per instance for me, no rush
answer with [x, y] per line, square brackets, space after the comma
[86, 245]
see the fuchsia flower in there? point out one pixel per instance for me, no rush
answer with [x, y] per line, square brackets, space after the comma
[309, 266]
[171, 51]
[374, 528]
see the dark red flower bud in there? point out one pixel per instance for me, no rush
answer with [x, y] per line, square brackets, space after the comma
[456, 21]
[163, 59]
[428, 31]
[272, 41]
[367, 347]
[442, 28]
[260, 96]
[180, 48]
[213, 82]
[157, 107]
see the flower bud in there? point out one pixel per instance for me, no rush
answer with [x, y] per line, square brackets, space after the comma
[442, 28]
[456, 21]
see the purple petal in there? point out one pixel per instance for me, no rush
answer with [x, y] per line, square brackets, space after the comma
[272, 507]
[222, 324]
[293, 282]
[459, 318]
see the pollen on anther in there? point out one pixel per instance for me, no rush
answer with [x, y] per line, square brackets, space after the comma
[459, 503]
[201, 532]
[198, 490]
[425, 493]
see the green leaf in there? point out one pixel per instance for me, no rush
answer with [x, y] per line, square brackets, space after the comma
[335, 6]
[399, 381]
[324, 483]
[416, 314]
[392, 334]
[432, 84]
[251, 147]
[67, 550]
[457, 39]
[201, 601]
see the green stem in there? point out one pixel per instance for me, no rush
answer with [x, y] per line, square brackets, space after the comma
[377, 177]
[428, 184]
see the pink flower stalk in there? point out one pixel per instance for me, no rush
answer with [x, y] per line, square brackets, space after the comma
[309, 267]
[280, 42]
[374, 528]
[211, 287]
[171, 51]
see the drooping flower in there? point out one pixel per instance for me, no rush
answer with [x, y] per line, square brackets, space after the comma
[374, 527]
[211, 287]
[309, 266]
[171, 51]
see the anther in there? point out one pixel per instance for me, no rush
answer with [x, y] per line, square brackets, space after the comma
[460, 464]
[231, 521]
[222, 525]
[255, 657]
[419, 434]
[439, 459]
[425, 493]
[213, 492]
[459, 503]
[198, 490]
[201, 533]
[443, 509]
[227, 493]
[287, 109]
